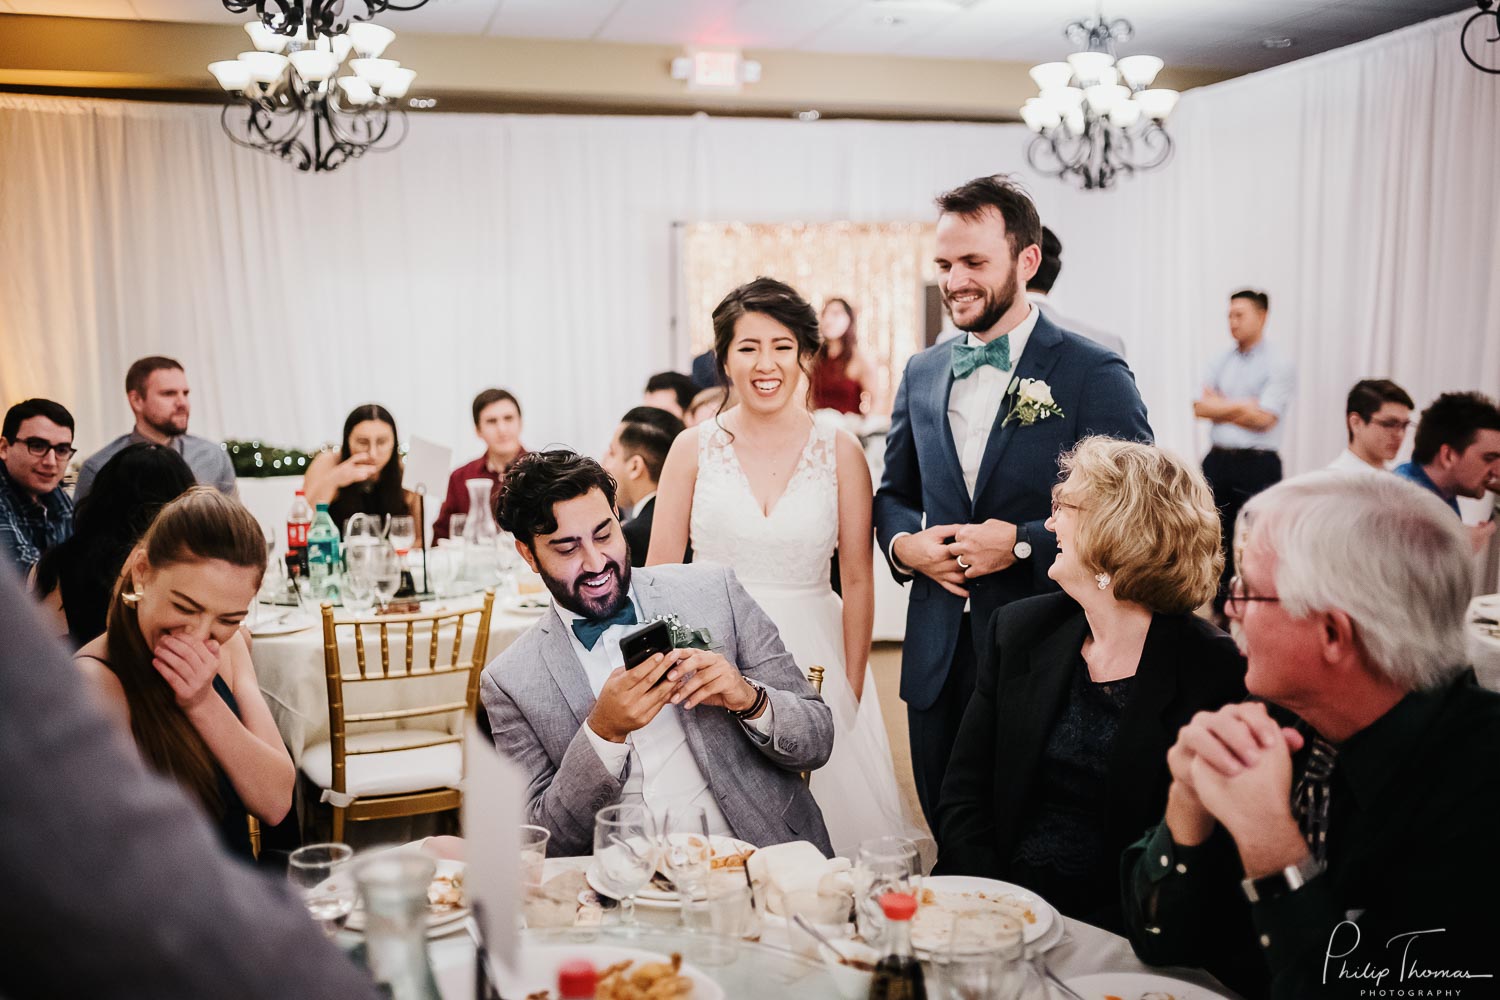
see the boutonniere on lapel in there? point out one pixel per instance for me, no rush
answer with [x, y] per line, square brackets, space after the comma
[684, 637]
[1031, 400]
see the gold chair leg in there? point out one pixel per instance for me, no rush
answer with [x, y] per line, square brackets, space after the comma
[338, 825]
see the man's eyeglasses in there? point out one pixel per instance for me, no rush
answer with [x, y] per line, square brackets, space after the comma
[38, 447]
[1237, 598]
[1392, 424]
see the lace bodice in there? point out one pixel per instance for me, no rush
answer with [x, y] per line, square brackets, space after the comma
[794, 544]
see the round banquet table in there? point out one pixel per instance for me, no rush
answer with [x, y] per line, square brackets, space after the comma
[290, 670]
[762, 969]
[1484, 639]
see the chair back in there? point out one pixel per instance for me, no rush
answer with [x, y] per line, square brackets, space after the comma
[815, 678]
[440, 635]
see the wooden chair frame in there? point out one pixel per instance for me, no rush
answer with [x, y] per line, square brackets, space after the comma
[410, 803]
[815, 678]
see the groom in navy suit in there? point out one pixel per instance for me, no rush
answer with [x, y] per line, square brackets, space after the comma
[971, 457]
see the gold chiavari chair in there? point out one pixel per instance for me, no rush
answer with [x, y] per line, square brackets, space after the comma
[815, 678]
[372, 766]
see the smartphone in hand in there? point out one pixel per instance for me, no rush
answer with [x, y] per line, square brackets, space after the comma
[645, 642]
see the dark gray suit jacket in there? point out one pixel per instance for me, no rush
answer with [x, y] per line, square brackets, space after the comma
[113, 884]
[537, 697]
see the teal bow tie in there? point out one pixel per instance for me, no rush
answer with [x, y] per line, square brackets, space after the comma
[589, 630]
[967, 358]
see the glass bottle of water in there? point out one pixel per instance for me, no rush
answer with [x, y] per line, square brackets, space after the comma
[394, 887]
[323, 557]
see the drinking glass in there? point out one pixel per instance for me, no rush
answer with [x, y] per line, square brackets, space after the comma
[402, 533]
[320, 872]
[883, 864]
[959, 972]
[625, 856]
[365, 526]
[385, 572]
[721, 915]
[456, 525]
[444, 563]
[533, 857]
[687, 851]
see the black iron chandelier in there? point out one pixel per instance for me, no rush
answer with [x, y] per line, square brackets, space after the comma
[319, 17]
[1481, 36]
[1098, 117]
[292, 104]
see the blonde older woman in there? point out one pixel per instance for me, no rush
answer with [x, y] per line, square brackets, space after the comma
[1061, 759]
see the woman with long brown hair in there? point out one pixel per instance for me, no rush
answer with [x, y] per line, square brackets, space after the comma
[174, 666]
[842, 377]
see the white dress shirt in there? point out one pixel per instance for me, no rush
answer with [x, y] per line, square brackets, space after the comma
[640, 505]
[974, 402]
[1350, 462]
[662, 771]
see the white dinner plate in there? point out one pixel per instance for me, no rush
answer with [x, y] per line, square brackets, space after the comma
[531, 606]
[1488, 605]
[1134, 985]
[539, 964]
[653, 898]
[294, 622]
[1032, 931]
[438, 923]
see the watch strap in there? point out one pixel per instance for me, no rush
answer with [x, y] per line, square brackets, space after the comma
[1281, 883]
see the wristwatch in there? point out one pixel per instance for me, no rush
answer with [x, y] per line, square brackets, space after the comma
[1022, 549]
[1278, 884]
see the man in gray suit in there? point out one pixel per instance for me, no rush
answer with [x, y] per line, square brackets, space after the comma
[726, 731]
[1040, 287]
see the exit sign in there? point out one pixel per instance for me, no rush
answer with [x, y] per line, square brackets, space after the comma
[716, 70]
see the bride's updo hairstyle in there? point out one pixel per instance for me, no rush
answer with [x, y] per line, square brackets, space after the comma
[774, 299]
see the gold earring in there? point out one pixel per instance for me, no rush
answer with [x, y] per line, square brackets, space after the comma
[133, 597]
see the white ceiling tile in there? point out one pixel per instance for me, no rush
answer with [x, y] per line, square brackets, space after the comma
[452, 17]
[550, 19]
[667, 21]
[118, 9]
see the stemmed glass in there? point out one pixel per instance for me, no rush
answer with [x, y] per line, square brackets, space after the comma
[402, 533]
[359, 579]
[625, 856]
[327, 887]
[883, 864]
[687, 851]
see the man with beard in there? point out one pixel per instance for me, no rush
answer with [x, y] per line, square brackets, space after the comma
[727, 729]
[157, 391]
[971, 456]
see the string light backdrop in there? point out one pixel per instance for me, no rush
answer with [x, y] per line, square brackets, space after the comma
[879, 268]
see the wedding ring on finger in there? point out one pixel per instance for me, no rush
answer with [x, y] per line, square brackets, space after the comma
[961, 563]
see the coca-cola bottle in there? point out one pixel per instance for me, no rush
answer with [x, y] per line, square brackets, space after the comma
[298, 520]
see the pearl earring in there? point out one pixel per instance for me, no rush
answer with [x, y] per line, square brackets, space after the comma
[1103, 580]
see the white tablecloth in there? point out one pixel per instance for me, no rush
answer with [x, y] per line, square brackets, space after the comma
[1484, 643]
[291, 675]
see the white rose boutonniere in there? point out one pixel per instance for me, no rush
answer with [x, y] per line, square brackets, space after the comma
[1032, 402]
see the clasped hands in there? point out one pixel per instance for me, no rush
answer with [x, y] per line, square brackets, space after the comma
[953, 554]
[1234, 766]
[630, 699]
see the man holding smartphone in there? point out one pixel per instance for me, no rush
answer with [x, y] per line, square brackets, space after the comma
[727, 729]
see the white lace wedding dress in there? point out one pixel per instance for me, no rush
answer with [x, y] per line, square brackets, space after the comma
[783, 560]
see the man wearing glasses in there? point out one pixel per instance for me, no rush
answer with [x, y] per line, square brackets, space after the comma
[35, 512]
[1376, 417]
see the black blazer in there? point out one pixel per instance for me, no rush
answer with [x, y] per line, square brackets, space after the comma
[637, 532]
[1025, 667]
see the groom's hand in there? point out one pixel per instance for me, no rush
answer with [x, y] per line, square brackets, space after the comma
[985, 548]
[927, 552]
[710, 679]
[630, 699]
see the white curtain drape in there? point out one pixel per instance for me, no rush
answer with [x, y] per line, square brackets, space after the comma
[1357, 187]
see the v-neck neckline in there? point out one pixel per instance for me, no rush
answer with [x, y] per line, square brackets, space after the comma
[802, 461]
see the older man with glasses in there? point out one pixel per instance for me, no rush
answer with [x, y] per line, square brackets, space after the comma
[1344, 824]
[35, 512]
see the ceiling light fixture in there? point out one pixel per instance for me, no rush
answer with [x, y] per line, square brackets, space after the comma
[292, 103]
[320, 17]
[1484, 41]
[1097, 116]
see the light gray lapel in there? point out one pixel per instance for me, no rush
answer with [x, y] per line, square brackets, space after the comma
[562, 663]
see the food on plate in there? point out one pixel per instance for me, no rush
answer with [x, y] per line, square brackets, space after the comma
[983, 919]
[628, 980]
[446, 894]
[731, 862]
[798, 866]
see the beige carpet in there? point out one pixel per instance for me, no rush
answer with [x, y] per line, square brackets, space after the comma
[885, 668]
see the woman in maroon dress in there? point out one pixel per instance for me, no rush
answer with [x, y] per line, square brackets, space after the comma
[841, 375]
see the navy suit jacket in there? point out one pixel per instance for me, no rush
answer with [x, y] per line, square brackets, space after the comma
[924, 481]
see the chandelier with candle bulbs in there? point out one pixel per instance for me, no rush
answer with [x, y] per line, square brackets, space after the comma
[315, 17]
[1097, 116]
[291, 101]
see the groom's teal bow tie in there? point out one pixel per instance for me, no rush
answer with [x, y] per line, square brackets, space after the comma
[589, 630]
[967, 358]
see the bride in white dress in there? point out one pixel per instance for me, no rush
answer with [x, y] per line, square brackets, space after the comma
[767, 490]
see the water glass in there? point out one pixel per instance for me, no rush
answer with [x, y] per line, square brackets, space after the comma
[959, 972]
[687, 851]
[883, 864]
[385, 572]
[533, 857]
[625, 856]
[721, 915]
[456, 525]
[402, 532]
[320, 872]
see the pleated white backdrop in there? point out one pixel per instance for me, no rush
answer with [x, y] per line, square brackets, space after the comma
[1358, 187]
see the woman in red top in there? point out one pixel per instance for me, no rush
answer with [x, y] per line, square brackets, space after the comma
[841, 375]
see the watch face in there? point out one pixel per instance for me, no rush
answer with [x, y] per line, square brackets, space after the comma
[1022, 550]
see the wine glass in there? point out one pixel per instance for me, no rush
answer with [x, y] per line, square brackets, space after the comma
[625, 856]
[365, 528]
[687, 851]
[385, 573]
[328, 891]
[402, 533]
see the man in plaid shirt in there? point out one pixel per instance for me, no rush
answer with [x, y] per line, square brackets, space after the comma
[35, 512]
